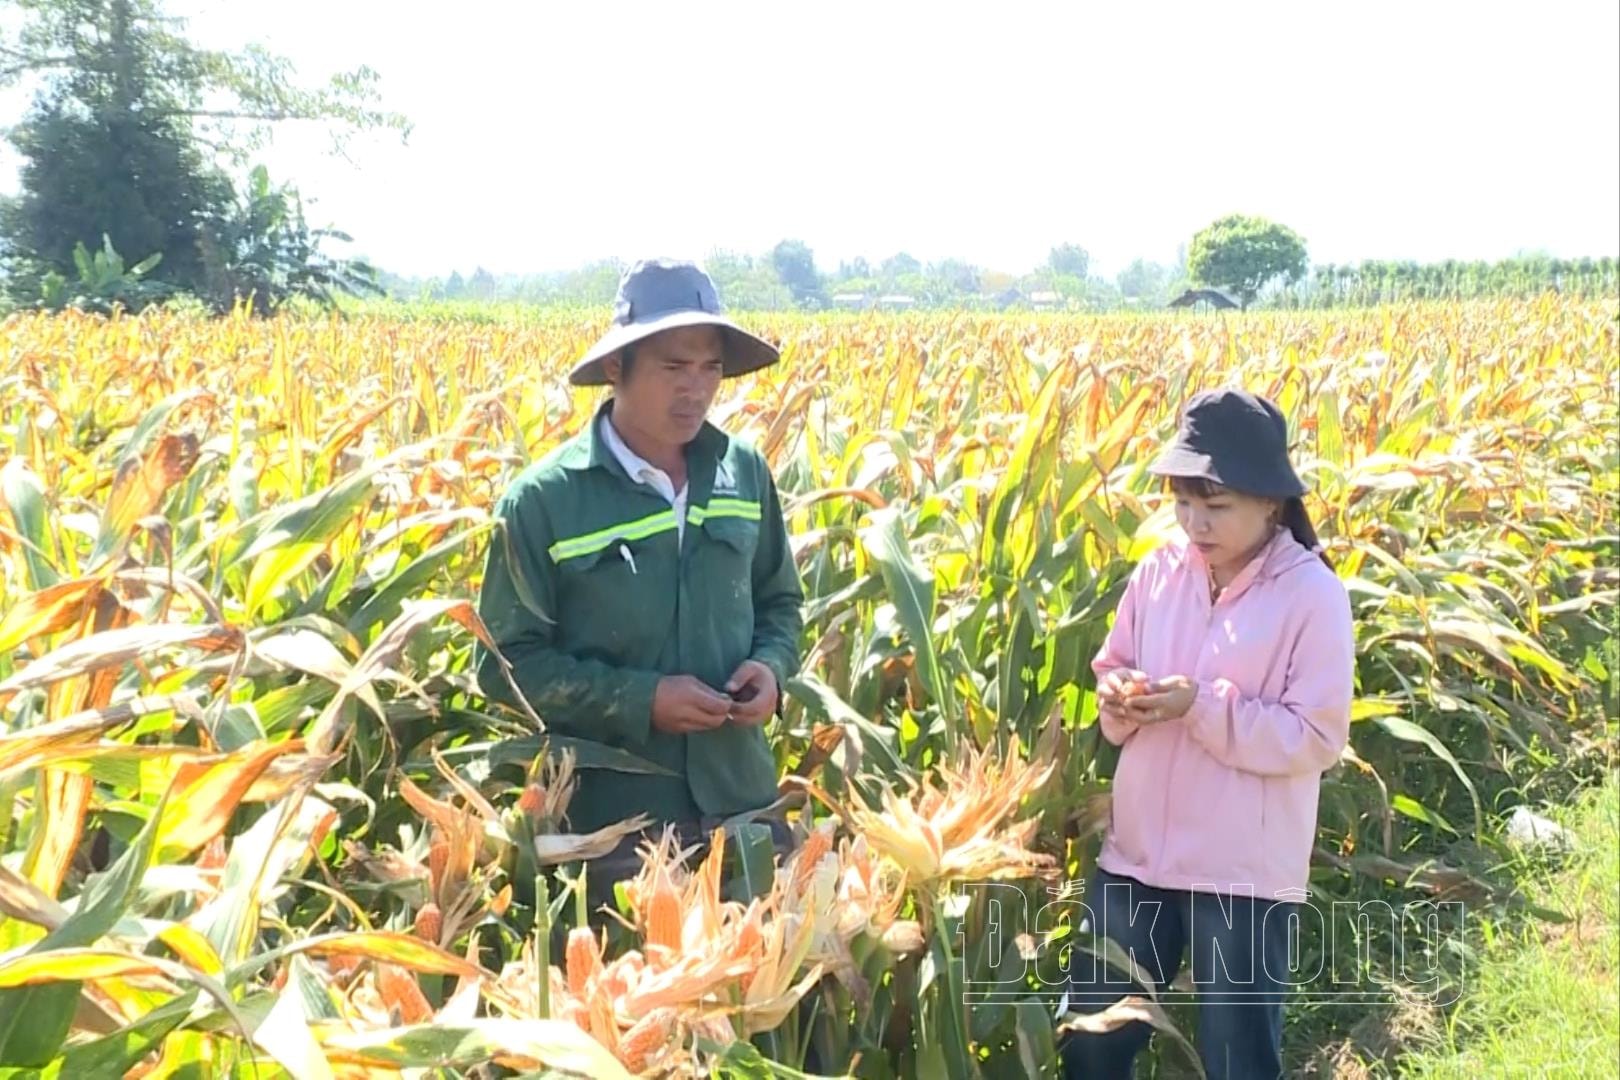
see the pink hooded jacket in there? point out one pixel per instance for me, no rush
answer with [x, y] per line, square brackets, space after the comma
[1224, 798]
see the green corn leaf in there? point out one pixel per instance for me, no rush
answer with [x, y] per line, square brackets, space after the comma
[1407, 731]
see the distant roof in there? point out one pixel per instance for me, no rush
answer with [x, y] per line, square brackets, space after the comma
[1217, 298]
[1044, 298]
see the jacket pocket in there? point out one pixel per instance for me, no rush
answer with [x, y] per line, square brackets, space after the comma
[611, 603]
[738, 534]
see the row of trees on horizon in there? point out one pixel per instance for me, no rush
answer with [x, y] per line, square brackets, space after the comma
[138, 187]
[778, 280]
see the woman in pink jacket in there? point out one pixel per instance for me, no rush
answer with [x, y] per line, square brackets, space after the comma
[1226, 682]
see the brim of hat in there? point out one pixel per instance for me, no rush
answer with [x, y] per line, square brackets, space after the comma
[1180, 461]
[741, 352]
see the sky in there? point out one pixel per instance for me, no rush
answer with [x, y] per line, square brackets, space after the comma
[548, 134]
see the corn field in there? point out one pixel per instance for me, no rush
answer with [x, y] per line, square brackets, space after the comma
[256, 819]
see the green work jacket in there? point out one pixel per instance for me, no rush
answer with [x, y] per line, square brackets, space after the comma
[592, 597]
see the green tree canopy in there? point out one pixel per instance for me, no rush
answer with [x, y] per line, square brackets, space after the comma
[795, 266]
[113, 55]
[1244, 254]
[130, 126]
[1144, 282]
[899, 266]
[1069, 260]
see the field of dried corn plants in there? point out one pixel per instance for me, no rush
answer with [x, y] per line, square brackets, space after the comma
[254, 818]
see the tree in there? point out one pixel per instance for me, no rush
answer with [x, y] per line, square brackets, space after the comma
[898, 266]
[857, 267]
[107, 52]
[795, 266]
[482, 284]
[262, 251]
[1243, 254]
[128, 124]
[1143, 282]
[955, 279]
[133, 178]
[1069, 260]
[746, 283]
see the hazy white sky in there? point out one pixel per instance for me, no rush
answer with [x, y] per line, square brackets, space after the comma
[551, 133]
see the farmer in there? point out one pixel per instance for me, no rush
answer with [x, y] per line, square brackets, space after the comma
[1226, 682]
[642, 586]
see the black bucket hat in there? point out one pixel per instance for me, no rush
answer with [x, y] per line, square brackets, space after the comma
[1236, 439]
[661, 294]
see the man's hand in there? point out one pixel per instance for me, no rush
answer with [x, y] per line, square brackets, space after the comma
[753, 693]
[1166, 699]
[683, 705]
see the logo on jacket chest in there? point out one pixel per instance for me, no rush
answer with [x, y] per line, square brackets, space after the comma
[725, 481]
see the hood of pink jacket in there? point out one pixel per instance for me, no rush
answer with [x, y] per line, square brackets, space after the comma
[1224, 798]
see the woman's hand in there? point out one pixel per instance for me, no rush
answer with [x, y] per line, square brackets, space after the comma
[1164, 699]
[1117, 688]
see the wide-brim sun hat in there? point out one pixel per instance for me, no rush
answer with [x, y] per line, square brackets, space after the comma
[1236, 439]
[665, 294]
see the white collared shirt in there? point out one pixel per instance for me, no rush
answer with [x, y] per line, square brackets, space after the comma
[643, 471]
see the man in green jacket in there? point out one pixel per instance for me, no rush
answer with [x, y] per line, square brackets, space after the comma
[641, 584]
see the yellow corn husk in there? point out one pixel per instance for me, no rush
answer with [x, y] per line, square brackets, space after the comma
[553, 848]
[903, 937]
[604, 1023]
[574, 1012]
[619, 978]
[962, 827]
[558, 786]
[750, 940]
[502, 901]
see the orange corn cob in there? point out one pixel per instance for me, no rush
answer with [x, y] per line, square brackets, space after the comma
[644, 1042]
[804, 864]
[341, 964]
[584, 959]
[532, 801]
[429, 923]
[664, 917]
[399, 990]
[438, 858]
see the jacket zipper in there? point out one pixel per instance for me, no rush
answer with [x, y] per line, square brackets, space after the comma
[1175, 753]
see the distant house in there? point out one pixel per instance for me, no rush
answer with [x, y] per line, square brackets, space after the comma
[896, 301]
[1044, 300]
[851, 300]
[1217, 299]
